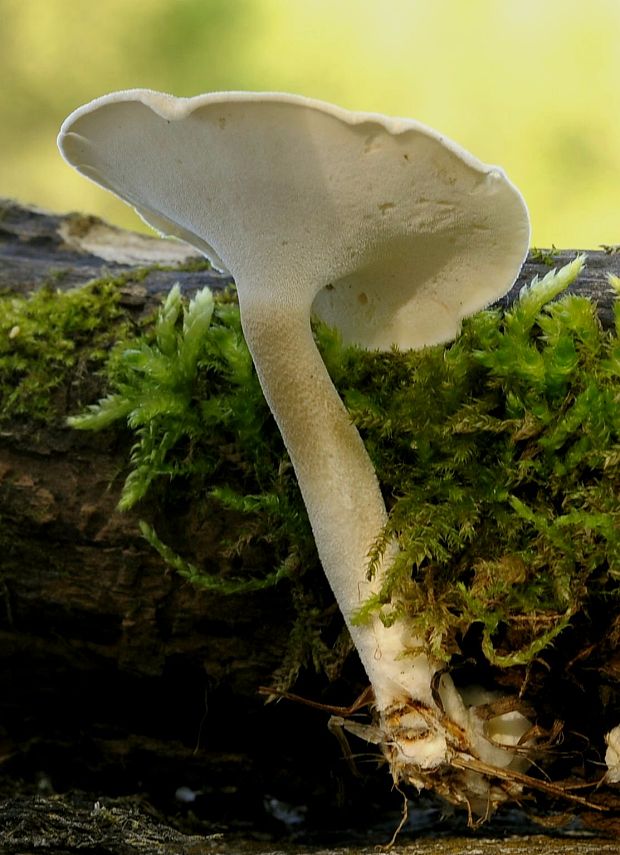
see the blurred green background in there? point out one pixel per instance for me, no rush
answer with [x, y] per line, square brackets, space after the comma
[533, 85]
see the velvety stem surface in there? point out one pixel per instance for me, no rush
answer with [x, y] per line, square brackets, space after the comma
[335, 475]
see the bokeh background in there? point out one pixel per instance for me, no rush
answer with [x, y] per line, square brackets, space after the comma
[533, 85]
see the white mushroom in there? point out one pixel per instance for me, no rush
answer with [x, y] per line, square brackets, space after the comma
[382, 227]
[612, 755]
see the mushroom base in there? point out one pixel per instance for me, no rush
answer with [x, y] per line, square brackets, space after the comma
[427, 749]
[478, 766]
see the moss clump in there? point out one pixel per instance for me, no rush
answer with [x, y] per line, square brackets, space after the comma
[189, 392]
[501, 454]
[499, 457]
[48, 338]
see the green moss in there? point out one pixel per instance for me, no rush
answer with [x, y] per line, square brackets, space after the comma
[499, 456]
[188, 390]
[48, 338]
[502, 458]
[544, 256]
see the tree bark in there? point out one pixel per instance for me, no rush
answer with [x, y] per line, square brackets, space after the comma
[38, 246]
[114, 673]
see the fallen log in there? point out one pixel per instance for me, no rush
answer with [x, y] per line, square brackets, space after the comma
[115, 672]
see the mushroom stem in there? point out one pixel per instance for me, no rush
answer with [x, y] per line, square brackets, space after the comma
[347, 513]
[423, 718]
[336, 477]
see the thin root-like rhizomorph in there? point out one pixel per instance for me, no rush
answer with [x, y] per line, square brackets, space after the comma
[366, 699]
[338, 721]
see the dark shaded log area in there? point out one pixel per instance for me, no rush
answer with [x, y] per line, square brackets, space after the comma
[116, 676]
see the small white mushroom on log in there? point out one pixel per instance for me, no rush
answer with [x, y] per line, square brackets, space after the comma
[383, 228]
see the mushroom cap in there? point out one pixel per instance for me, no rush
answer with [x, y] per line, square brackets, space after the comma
[385, 228]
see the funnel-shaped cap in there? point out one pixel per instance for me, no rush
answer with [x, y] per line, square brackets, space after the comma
[392, 232]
